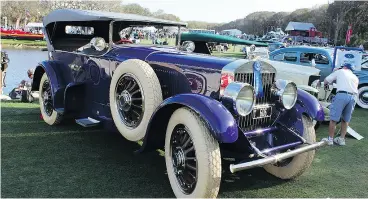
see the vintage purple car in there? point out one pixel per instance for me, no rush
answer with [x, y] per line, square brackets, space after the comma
[198, 108]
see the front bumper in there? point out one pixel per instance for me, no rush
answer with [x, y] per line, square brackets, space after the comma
[275, 158]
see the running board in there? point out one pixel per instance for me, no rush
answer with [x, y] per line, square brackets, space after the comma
[275, 158]
[87, 122]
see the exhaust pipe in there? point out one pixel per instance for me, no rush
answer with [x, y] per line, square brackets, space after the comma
[275, 158]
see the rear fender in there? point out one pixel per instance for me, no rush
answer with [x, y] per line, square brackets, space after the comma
[59, 76]
[218, 119]
[74, 97]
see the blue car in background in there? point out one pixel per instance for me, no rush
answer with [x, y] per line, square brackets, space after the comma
[323, 60]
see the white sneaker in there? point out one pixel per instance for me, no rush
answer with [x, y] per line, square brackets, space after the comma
[329, 141]
[340, 141]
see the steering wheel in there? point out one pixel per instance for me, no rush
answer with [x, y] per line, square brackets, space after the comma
[124, 41]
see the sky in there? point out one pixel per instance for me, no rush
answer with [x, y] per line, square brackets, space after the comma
[223, 10]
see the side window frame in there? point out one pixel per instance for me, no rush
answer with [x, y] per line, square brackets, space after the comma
[328, 60]
[71, 33]
[313, 57]
[296, 57]
[276, 57]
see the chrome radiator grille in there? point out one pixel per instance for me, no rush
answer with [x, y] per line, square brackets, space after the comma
[248, 122]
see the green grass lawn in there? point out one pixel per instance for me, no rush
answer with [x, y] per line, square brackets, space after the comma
[38, 160]
[13, 42]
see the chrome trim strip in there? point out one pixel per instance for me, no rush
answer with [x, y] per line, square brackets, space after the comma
[233, 66]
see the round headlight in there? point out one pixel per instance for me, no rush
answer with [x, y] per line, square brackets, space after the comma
[240, 97]
[245, 100]
[289, 96]
[287, 91]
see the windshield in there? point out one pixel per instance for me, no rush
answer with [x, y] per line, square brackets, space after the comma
[148, 35]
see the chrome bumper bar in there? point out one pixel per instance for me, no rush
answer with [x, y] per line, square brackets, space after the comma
[275, 158]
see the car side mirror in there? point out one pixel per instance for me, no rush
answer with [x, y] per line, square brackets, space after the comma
[98, 43]
[187, 46]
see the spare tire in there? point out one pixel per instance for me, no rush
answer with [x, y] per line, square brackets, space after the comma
[135, 93]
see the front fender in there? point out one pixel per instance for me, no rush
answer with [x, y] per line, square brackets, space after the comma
[218, 119]
[309, 105]
[59, 76]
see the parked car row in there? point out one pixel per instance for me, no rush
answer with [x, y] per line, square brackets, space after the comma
[322, 59]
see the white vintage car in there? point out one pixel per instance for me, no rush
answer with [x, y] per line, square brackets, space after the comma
[306, 78]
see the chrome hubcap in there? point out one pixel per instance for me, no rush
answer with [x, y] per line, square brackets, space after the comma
[179, 157]
[125, 100]
[184, 159]
[129, 100]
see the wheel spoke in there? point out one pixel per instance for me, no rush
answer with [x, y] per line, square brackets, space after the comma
[189, 150]
[184, 138]
[136, 99]
[181, 180]
[135, 112]
[193, 168]
[193, 176]
[122, 82]
[137, 106]
[187, 142]
[192, 158]
[125, 88]
[135, 92]
[131, 88]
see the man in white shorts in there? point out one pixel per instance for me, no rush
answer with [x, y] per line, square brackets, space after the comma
[343, 103]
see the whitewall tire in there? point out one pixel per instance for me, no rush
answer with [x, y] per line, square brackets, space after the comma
[362, 100]
[49, 115]
[192, 155]
[135, 93]
[297, 165]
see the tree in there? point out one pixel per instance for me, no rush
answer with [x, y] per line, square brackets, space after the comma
[338, 11]
[136, 9]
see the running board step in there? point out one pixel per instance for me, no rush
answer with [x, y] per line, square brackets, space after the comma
[87, 122]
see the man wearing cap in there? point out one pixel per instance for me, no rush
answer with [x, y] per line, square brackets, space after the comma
[343, 103]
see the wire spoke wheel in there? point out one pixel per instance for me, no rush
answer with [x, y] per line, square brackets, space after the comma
[130, 100]
[47, 98]
[184, 159]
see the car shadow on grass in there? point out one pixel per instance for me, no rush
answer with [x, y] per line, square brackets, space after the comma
[68, 160]
[251, 179]
[153, 170]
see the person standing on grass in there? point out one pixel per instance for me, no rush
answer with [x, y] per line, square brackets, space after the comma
[343, 103]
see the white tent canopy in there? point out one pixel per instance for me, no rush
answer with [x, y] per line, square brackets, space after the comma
[149, 29]
[34, 25]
